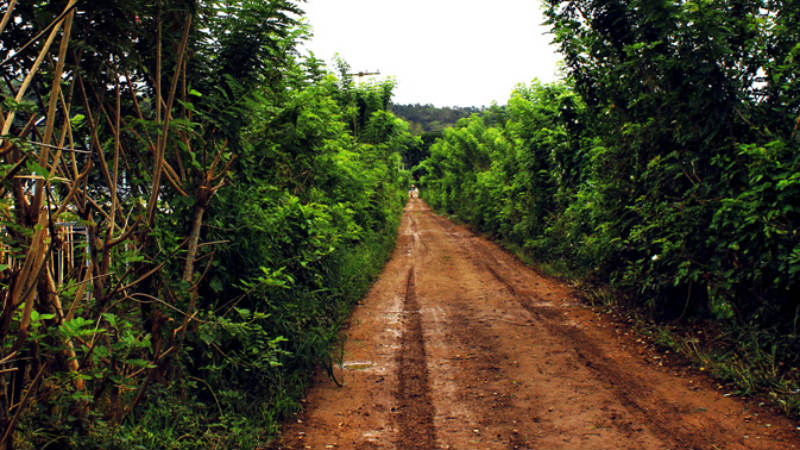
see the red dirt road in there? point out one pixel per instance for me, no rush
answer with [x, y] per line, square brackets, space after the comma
[460, 346]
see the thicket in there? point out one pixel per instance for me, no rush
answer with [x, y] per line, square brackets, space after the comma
[666, 165]
[188, 209]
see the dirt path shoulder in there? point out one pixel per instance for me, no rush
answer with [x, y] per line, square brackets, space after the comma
[459, 345]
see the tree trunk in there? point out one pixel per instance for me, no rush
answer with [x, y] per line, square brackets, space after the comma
[194, 241]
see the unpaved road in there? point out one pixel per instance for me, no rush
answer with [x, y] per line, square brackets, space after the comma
[459, 345]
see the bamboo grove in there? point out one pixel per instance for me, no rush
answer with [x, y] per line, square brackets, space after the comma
[666, 164]
[188, 210]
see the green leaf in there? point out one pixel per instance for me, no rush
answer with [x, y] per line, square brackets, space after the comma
[37, 170]
[138, 362]
[77, 120]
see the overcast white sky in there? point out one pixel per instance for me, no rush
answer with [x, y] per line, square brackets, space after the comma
[444, 52]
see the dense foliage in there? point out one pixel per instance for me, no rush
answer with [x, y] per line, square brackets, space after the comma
[666, 166]
[188, 211]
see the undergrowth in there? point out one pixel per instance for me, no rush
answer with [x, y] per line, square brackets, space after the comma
[194, 415]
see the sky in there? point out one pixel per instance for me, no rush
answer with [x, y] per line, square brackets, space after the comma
[443, 52]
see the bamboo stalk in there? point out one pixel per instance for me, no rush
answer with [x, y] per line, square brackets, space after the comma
[115, 169]
[29, 77]
[7, 15]
[162, 141]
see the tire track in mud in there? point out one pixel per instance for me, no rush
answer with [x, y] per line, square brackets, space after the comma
[414, 404]
[416, 238]
[625, 386]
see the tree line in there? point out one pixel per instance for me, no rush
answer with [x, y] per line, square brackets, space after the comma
[189, 208]
[428, 118]
[665, 164]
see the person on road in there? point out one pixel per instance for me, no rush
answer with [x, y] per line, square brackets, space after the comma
[413, 192]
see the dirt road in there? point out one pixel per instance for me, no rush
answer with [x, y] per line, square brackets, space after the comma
[459, 345]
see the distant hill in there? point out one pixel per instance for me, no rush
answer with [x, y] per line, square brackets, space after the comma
[424, 119]
[427, 122]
